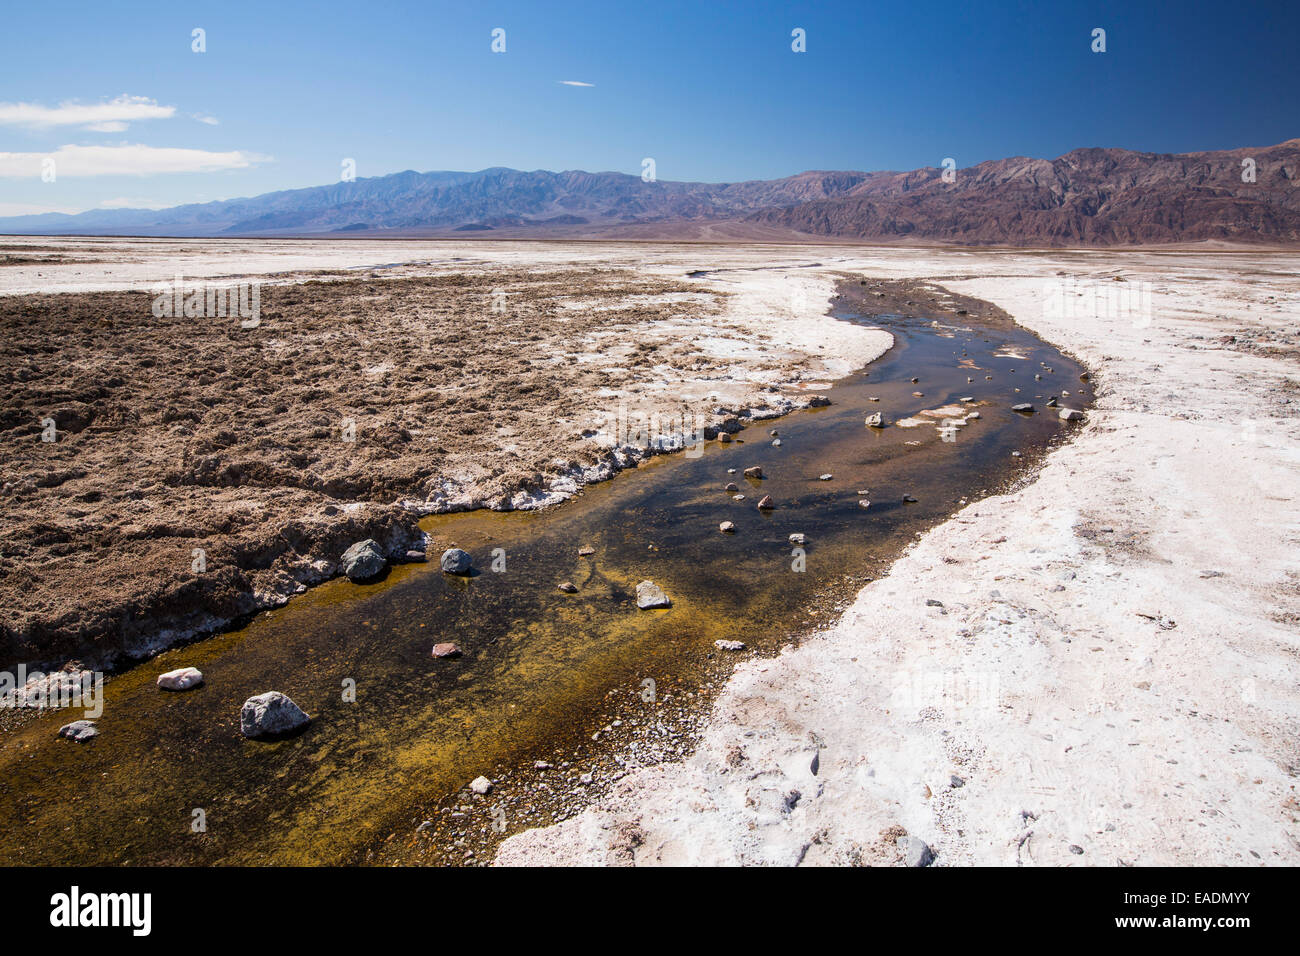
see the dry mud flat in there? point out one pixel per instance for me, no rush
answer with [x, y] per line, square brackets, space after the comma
[202, 471]
[1097, 669]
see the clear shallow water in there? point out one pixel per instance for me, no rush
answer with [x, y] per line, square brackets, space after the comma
[538, 663]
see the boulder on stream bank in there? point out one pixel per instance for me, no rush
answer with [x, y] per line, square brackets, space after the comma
[363, 561]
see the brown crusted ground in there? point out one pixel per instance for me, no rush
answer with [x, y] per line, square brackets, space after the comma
[178, 433]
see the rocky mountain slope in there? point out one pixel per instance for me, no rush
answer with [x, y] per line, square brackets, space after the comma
[1090, 196]
[1086, 197]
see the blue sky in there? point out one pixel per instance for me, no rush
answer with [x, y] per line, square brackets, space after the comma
[712, 91]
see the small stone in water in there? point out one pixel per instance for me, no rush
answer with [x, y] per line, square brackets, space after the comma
[650, 595]
[79, 730]
[455, 561]
[481, 785]
[446, 649]
[766, 503]
[726, 527]
[826, 477]
[180, 679]
[568, 587]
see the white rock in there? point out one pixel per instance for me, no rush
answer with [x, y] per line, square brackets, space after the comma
[270, 714]
[183, 678]
[481, 785]
[650, 595]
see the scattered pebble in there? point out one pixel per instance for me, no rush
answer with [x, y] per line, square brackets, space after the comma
[916, 853]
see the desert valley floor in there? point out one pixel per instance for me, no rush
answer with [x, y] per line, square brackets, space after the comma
[1094, 663]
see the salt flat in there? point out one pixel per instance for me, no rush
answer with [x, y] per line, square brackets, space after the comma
[1109, 673]
[1111, 678]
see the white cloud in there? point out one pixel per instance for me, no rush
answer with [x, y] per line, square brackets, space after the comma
[210, 120]
[575, 83]
[107, 117]
[29, 209]
[123, 202]
[124, 160]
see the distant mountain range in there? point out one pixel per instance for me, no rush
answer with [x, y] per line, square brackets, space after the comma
[1099, 197]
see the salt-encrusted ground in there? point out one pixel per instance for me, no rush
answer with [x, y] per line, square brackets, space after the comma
[1112, 676]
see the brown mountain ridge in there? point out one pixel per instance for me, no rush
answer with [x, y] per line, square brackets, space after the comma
[1088, 197]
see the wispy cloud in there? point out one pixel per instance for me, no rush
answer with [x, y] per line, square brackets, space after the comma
[125, 160]
[122, 202]
[111, 116]
[30, 209]
[210, 120]
[574, 83]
